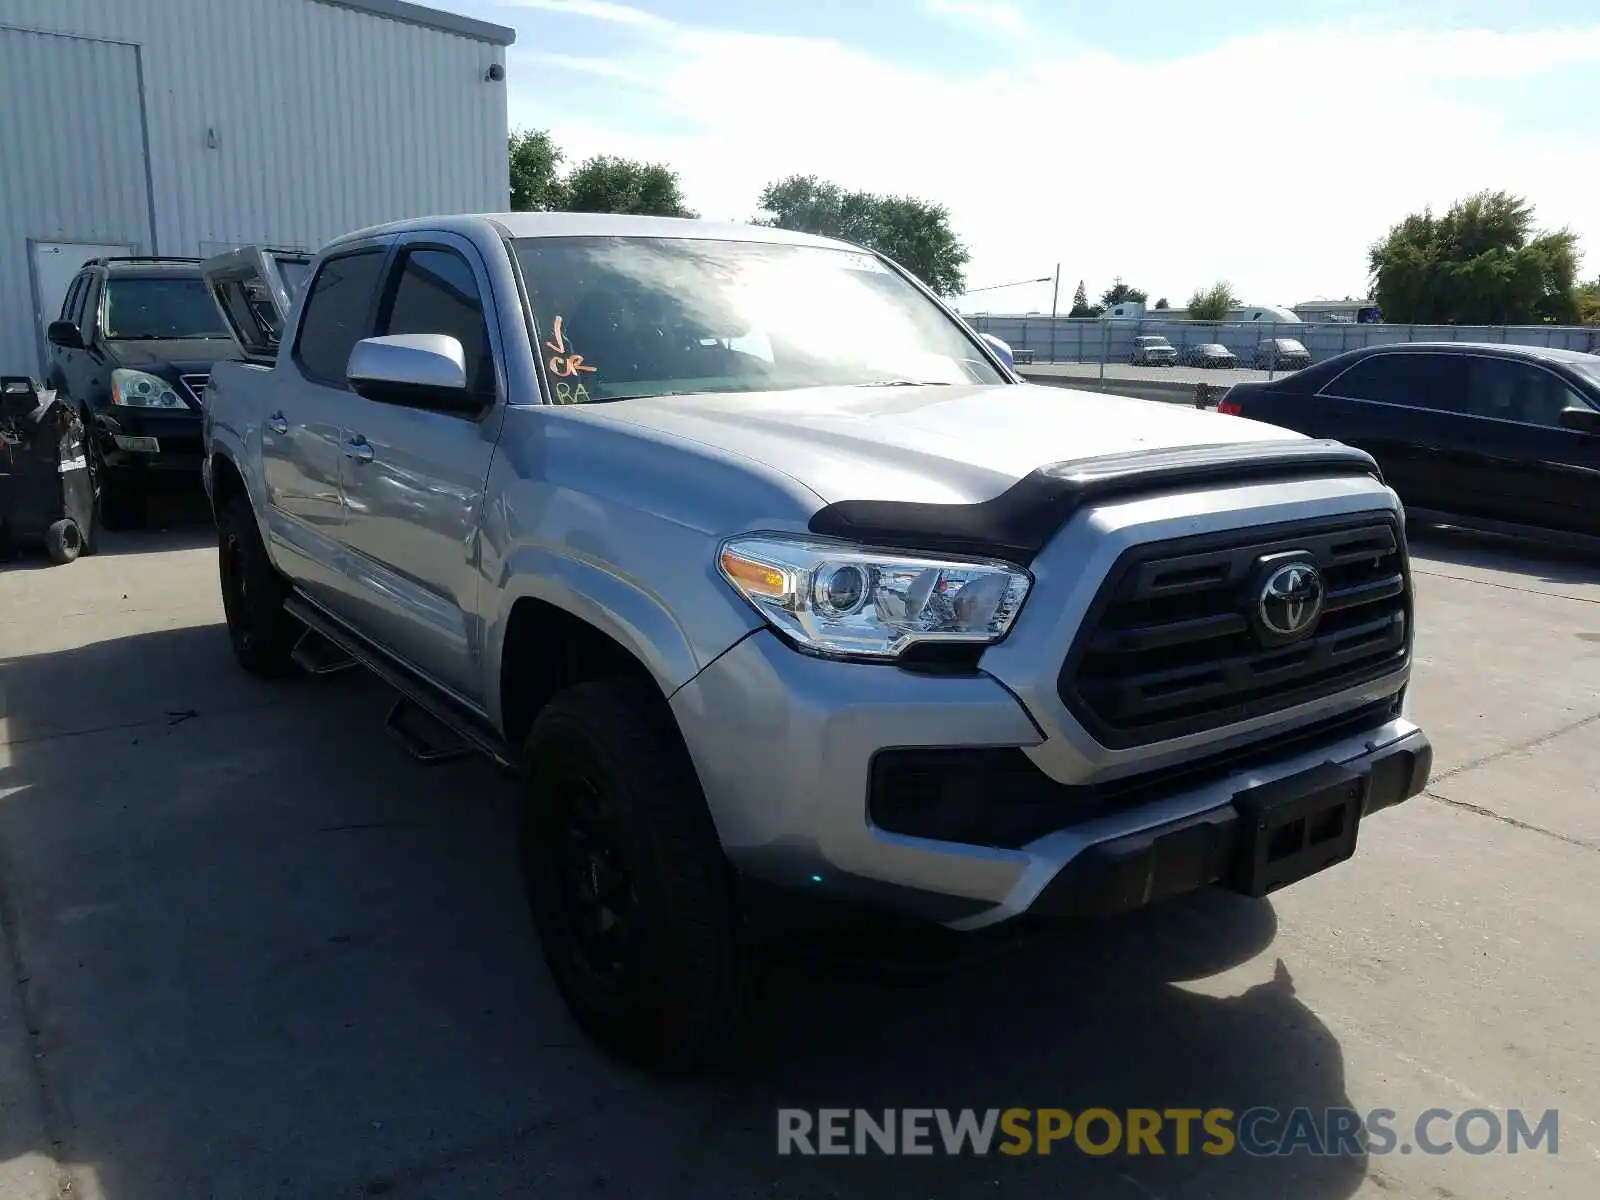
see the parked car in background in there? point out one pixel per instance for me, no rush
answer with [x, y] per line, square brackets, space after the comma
[132, 351]
[1281, 354]
[1491, 435]
[1209, 354]
[1153, 352]
[784, 619]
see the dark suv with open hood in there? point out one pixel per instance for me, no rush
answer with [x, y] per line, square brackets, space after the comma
[133, 350]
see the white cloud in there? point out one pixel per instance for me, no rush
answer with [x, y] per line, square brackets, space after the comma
[1273, 160]
[991, 15]
[599, 10]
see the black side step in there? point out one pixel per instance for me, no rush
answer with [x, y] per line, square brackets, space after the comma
[467, 726]
[425, 738]
[316, 655]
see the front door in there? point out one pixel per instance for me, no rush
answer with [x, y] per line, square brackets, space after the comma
[1541, 473]
[414, 478]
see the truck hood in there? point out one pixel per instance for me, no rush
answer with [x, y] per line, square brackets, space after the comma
[929, 444]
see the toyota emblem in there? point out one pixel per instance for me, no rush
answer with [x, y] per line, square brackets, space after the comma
[1291, 600]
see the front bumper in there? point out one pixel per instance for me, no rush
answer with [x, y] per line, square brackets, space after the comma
[785, 744]
[179, 449]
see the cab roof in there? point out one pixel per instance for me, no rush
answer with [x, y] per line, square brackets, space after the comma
[554, 224]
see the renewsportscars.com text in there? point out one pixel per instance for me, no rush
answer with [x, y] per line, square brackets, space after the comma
[1259, 1132]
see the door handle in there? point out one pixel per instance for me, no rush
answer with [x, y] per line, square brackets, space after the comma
[359, 449]
[278, 423]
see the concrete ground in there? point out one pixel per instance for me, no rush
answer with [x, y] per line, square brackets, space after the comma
[256, 952]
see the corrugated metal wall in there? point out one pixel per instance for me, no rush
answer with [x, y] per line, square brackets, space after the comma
[284, 121]
[58, 93]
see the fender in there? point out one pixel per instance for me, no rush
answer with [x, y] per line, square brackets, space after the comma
[638, 621]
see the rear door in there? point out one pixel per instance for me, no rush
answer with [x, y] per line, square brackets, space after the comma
[1405, 410]
[414, 478]
[309, 401]
[1544, 474]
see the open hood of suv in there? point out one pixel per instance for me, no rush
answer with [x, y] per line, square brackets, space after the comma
[931, 444]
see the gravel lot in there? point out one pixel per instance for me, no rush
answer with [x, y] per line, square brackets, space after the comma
[256, 952]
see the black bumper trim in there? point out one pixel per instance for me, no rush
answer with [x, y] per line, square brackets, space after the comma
[1141, 868]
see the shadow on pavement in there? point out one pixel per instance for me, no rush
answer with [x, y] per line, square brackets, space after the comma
[266, 955]
[1548, 562]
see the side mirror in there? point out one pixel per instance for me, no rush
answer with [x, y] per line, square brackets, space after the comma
[1581, 418]
[417, 370]
[64, 334]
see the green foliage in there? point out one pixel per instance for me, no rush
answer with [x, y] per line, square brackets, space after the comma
[1587, 298]
[535, 184]
[914, 233]
[1121, 293]
[604, 184]
[601, 184]
[1081, 306]
[1162, 303]
[1482, 263]
[1213, 303]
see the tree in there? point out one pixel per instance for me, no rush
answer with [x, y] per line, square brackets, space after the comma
[1213, 303]
[1482, 263]
[599, 184]
[1587, 297]
[604, 184]
[1162, 303]
[1081, 306]
[1121, 293]
[535, 185]
[914, 233]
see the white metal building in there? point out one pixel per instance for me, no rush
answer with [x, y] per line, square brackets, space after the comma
[189, 126]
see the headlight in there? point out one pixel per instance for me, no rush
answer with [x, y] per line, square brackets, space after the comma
[849, 601]
[139, 389]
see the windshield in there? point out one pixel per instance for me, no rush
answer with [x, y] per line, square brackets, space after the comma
[1290, 345]
[1154, 341]
[176, 307]
[626, 317]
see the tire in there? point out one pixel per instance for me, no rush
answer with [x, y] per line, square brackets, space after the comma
[262, 632]
[634, 903]
[118, 503]
[63, 541]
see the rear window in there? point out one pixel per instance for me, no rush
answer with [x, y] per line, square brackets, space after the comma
[152, 309]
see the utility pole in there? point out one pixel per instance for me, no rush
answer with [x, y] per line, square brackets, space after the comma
[1055, 295]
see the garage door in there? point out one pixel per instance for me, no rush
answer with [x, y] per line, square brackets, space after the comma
[72, 167]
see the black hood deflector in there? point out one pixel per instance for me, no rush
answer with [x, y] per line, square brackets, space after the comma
[1016, 524]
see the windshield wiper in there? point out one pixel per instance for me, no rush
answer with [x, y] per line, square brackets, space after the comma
[904, 383]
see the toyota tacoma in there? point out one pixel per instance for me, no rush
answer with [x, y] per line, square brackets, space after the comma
[767, 577]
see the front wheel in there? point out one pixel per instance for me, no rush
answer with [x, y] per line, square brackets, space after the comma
[626, 882]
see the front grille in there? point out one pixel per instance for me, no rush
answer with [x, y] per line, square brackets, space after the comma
[1171, 646]
[195, 385]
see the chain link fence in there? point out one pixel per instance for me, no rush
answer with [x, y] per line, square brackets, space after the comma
[1118, 347]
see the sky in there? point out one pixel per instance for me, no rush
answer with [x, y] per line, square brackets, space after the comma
[1169, 142]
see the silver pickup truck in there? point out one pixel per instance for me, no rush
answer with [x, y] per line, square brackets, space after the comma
[781, 593]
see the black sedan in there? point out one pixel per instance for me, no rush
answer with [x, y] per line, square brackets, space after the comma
[1494, 436]
[1209, 354]
[1281, 354]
